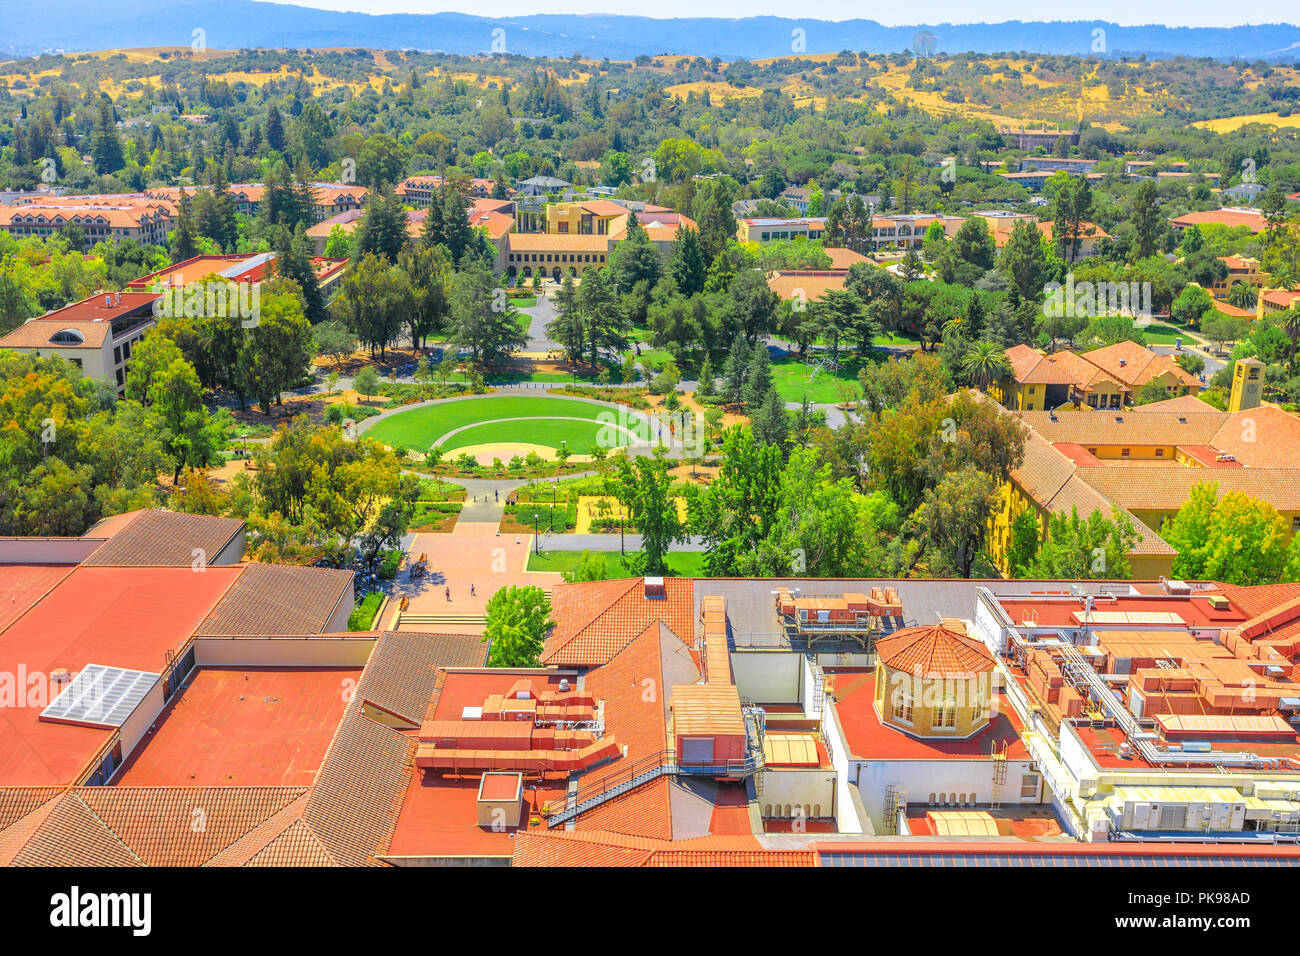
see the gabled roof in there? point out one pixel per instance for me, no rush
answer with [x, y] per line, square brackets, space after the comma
[1132, 365]
[934, 651]
[1029, 366]
[597, 619]
[133, 826]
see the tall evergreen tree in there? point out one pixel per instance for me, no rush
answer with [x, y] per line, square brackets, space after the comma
[687, 266]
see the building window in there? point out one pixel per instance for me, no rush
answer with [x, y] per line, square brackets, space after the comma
[1125, 452]
[1160, 453]
[903, 706]
[1029, 786]
[945, 716]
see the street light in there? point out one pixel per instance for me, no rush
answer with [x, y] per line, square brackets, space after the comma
[536, 539]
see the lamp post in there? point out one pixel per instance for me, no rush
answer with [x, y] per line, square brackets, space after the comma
[536, 540]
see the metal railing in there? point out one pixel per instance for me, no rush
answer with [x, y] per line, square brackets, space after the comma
[639, 772]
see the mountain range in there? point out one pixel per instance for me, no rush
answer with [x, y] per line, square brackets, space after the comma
[85, 25]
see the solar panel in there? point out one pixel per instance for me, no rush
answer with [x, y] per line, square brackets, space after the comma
[101, 696]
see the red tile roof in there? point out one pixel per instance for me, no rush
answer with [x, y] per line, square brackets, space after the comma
[565, 848]
[933, 651]
[597, 619]
[158, 538]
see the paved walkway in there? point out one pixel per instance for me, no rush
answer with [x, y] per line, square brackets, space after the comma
[473, 556]
[541, 314]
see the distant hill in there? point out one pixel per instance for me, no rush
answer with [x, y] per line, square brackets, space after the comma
[84, 25]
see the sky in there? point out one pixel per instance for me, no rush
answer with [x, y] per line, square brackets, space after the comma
[1187, 13]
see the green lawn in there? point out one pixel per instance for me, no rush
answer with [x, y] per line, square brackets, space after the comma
[896, 339]
[523, 301]
[421, 427]
[790, 376]
[578, 437]
[687, 564]
[1159, 333]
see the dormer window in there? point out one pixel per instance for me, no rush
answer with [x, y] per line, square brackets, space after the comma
[67, 337]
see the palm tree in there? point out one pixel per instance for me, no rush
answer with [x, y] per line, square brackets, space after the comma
[984, 363]
[1291, 326]
[1242, 295]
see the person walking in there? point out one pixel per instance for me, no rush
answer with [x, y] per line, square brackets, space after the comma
[471, 591]
[447, 592]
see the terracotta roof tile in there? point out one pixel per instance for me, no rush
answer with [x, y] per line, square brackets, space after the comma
[157, 538]
[597, 619]
[184, 826]
[400, 675]
[298, 845]
[933, 650]
[277, 599]
[65, 832]
[567, 848]
[1031, 367]
[1165, 489]
[358, 793]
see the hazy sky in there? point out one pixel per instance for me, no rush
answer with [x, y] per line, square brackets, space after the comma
[1189, 13]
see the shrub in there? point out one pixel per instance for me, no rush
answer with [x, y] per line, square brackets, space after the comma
[363, 615]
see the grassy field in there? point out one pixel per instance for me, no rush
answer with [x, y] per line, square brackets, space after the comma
[687, 564]
[790, 376]
[421, 427]
[1159, 333]
[578, 437]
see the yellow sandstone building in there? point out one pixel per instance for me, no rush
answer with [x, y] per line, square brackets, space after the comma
[933, 682]
[1145, 462]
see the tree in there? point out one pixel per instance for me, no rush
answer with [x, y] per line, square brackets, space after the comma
[517, 619]
[952, 521]
[1148, 221]
[374, 301]
[592, 566]
[293, 262]
[770, 421]
[642, 486]
[335, 339]
[687, 264]
[1192, 303]
[382, 162]
[366, 382]
[430, 276]
[106, 152]
[1242, 295]
[184, 242]
[985, 363]
[1235, 538]
[386, 530]
[969, 255]
[277, 350]
[176, 396]
[1073, 207]
[275, 129]
[483, 320]
[1091, 548]
[383, 227]
[1024, 261]
[735, 513]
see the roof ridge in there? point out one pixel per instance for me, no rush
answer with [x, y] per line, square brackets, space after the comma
[73, 795]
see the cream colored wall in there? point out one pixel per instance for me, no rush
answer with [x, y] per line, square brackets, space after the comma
[283, 652]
